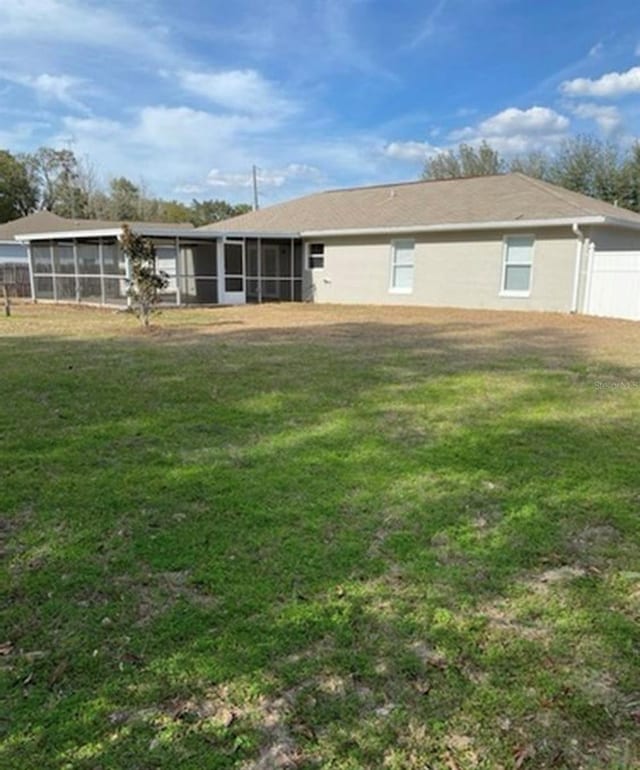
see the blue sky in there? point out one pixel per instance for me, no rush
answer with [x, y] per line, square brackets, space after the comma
[186, 96]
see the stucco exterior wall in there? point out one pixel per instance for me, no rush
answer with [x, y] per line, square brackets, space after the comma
[451, 269]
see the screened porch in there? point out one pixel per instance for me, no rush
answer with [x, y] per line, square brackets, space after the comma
[202, 269]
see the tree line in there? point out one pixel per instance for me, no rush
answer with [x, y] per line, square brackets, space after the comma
[56, 180]
[583, 164]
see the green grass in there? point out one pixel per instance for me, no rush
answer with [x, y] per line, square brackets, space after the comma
[345, 543]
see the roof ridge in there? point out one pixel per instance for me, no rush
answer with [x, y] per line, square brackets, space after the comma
[555, 190]
[511, 198]
[410, 182]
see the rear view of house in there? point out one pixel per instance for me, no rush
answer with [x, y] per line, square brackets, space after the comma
[497, 242]
[500, 242]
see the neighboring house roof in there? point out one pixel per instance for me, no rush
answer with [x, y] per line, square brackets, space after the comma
[45, 223]
[68, 225]
[506, 200]
[39, 222]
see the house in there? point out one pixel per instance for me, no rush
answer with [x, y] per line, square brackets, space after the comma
[14, 258]
[499, 242]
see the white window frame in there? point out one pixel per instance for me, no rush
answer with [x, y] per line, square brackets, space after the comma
[310, 255]
[394, 245]
[505, 248]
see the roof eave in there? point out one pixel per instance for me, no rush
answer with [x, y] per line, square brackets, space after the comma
[111, 232]
[619, 222]
[512, 224]
[253, 234]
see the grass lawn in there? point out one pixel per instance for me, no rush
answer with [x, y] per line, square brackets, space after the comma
[316, 537]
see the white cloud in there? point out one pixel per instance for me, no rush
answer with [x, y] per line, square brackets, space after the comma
[171, 148]
[267, 177]
[245, 91]
[58, 88]
[610, 85]
[515, 122]
[218, 178]
[100, 128]
[519, 144]
[89, 24]
[168, 146]
[186, 129]
[607, 118]
[410, 150]
[176, 135]
[514, 130]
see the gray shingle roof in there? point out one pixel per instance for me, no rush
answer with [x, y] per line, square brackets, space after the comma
[455, 202]
[40, 222]
[47, 222]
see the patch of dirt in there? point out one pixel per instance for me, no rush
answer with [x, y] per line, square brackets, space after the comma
[590, 544]
[555, 576]
[474, 674]
[600, 687]
[280, 750]
[602, 534]
[427, 655]
[318, 649]
[275, 718]
[332, 684]
[485, 519]
[461, 746]
[502, 620]
[448, 553]
[158, 592]
[215, 706]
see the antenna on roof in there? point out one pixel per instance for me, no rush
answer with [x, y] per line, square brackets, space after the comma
[254, 174]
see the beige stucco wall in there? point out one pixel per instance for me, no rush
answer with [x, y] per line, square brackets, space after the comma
[451, 269]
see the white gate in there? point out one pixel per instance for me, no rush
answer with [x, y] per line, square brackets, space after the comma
[614, 285]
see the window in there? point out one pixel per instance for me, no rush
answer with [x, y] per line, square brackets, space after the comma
[402, 266]
[316, 256]
[518, 263]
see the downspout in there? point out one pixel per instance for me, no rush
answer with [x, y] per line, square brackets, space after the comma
[578, 266]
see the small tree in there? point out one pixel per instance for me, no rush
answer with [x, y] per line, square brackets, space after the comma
[146, 281]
